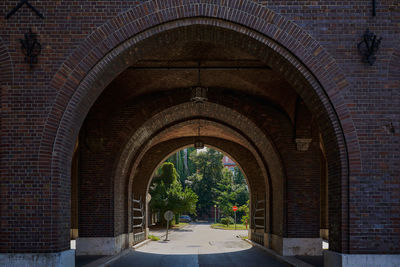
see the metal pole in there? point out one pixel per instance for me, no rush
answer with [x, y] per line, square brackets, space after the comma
[235, 219]
[215, 214]
[166, 237]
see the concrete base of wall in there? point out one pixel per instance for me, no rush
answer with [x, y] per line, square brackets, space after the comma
[293, 246]
[74, 233]
[324, 234]
[102, 245]
[131, 239]
[57, 259]
[335, 259]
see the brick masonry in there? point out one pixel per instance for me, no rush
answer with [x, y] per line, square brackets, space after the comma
[85, 45]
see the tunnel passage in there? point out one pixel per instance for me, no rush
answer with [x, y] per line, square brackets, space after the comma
[254, 104]
[131, 61]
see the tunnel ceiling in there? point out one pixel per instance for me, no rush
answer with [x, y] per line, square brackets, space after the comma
[207, 129]
[149, 76]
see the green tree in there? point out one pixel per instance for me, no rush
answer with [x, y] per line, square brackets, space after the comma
[238, 177]
[225, 193]
[208, 172]
[229, 193]
[244, 209]
[167, 192]
[184, 166]
[204, 173]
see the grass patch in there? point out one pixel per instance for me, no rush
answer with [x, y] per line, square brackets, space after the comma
[179, 225]
[228, 227]
[154, 238]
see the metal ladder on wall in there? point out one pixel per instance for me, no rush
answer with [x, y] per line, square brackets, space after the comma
[259, 222]
[138, 214]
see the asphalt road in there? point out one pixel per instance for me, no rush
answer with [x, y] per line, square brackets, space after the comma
[199, 245]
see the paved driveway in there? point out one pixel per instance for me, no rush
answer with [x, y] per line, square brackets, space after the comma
[199, 245]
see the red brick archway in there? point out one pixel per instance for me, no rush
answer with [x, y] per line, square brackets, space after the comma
[79, 75]
[145, 137]
[252, 161]
[243, 157]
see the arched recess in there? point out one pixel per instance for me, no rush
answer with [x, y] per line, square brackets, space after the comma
[184, 114]
[109, 50]
[147, 164]
[175, 118]
[255, 157]
[231, 121]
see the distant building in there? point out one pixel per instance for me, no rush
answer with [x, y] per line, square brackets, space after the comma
[228, 163]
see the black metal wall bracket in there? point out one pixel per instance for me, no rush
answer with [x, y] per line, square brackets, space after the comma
[369, 46]
[23, 2]
[30, 47]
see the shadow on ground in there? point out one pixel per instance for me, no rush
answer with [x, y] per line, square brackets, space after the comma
[252, 257]
[81, 261]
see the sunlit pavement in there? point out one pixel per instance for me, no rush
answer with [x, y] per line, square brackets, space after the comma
[199, 245]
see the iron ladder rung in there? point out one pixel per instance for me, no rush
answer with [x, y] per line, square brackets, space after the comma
[135, 209]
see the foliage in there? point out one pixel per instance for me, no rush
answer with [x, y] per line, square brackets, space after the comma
[228, 227]
[167, 192]
[209, 170]
[225, 194]
[154, 238]
[203, 172]
[244, 237]
[184, 166]
[228, 194]
[238, 177]
[245, 209]
[178, 225]
[227, 220]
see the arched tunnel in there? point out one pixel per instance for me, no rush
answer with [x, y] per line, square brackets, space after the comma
[257, 108]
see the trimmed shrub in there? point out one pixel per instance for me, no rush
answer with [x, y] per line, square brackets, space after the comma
[227, 220]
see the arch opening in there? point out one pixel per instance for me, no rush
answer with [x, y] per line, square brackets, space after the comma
[269, 106]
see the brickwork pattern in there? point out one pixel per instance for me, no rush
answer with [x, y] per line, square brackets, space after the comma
[78, 42]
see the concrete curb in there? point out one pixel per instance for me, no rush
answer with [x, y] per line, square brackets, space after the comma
[106, 261]
[141, 244]
[291, 261]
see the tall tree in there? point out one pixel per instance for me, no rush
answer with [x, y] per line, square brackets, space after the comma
[209, 170]
[184, 166]
[231, 191]
[167, 192]
[238, 177]
[204, 173]
[225, 193]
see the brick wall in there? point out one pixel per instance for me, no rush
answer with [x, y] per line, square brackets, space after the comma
[42, 110]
